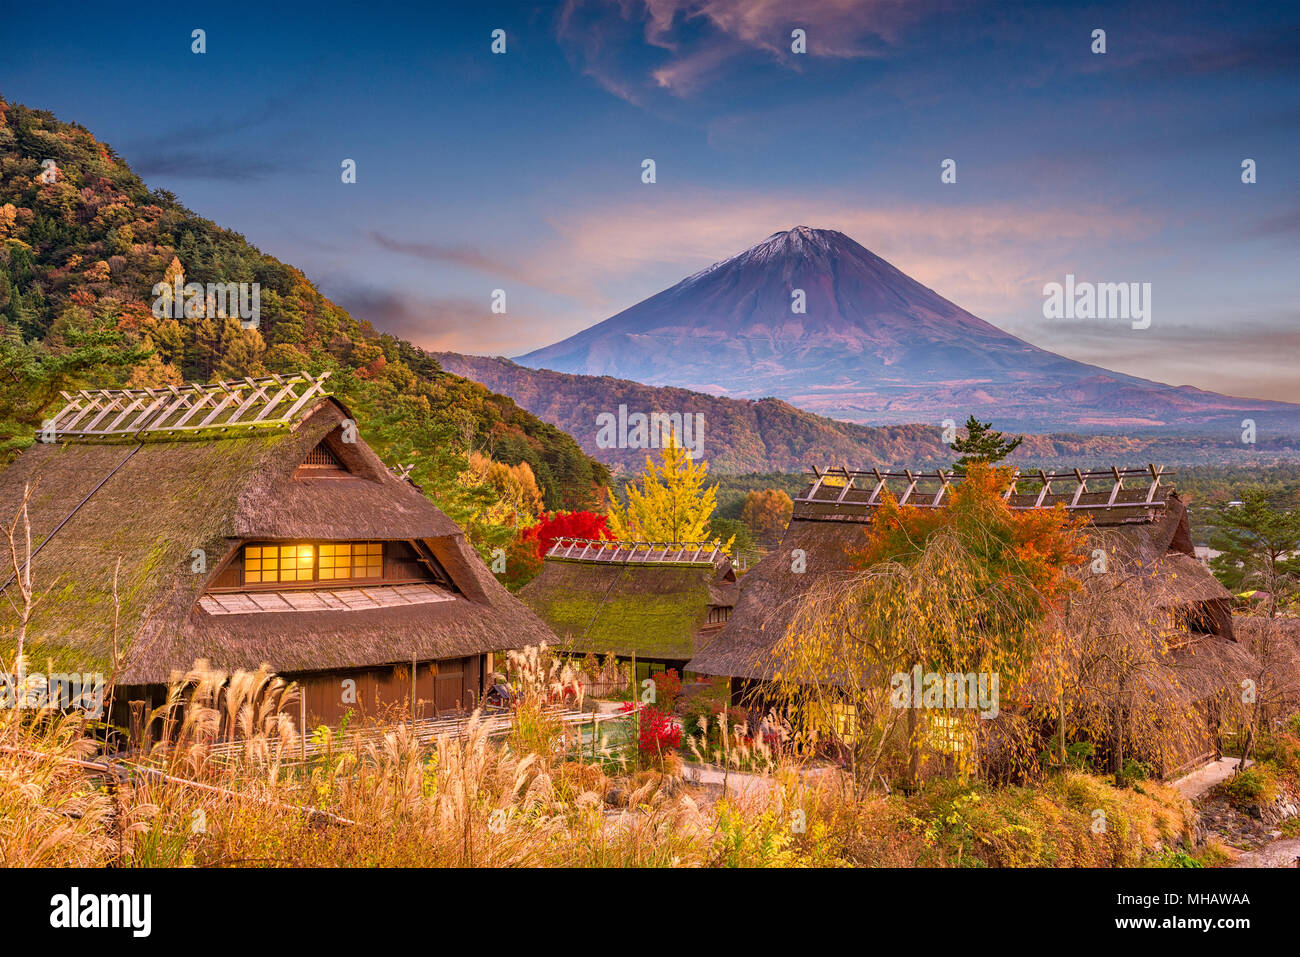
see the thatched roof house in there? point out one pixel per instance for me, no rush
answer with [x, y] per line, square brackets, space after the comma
[247, 523]
[659, 601]
[1142, 527]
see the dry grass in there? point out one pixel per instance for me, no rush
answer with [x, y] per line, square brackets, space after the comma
[475, 802]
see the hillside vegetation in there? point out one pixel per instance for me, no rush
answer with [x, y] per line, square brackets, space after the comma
[83, 242]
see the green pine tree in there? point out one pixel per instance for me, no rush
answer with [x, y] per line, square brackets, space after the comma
[982, 444]
[1259, 545]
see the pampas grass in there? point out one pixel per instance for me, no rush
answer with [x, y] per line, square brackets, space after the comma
[469, 801]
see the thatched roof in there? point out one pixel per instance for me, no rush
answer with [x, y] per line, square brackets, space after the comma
[644, 603]
[1207, 664]
[1147, 537]
[150, 503]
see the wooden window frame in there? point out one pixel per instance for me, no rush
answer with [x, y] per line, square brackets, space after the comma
[430, 570]
[315, 583]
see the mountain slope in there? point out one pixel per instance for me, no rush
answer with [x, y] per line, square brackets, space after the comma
[873, 346]
[82, 245]
[769, 435]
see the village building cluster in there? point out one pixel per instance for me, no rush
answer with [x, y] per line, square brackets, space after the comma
[246, 524]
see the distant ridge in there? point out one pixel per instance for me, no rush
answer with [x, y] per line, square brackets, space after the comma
[769, 435]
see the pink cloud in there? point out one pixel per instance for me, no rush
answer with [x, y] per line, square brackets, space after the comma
[981, 256]
[697, 38]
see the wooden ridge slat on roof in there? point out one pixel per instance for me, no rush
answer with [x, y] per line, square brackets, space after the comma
[847, 503]
[236, 405]
[604, 551]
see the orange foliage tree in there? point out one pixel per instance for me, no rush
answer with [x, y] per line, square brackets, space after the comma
[1027, 554]
[767, 513]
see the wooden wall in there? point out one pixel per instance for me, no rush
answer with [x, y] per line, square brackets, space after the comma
[441, 687]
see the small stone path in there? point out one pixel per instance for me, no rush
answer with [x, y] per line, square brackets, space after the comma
[1192, 786]
[1282, 853]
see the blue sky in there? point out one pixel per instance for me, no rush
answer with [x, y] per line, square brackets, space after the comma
[522, 171]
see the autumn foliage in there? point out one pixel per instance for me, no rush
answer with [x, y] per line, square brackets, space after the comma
[974, 587]
[670, 503]
[767, 513]
[1032, 550]
[552, 526]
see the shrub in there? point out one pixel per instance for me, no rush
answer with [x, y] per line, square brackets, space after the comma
[668, 688]
[1174, 858]
[659, 732]
[1282, 749]
[1254, 787]
[1078, 754]
[1136, 770]
[1214, 854]
[698, 713]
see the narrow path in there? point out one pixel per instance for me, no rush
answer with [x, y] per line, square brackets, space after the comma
[1192, 786]
[1281, 853]
[1284, 852]
[739, 782]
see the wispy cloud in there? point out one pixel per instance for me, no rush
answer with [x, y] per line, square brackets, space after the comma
[632, 47]
[1285, 225]
[216, 148]
[454, 254]
[1245, 351]
[455, 324]
[1263, 53]
[205, 164]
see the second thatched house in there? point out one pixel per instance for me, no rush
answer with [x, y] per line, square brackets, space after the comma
[657, 602]
[247, 523]
[1136, 524]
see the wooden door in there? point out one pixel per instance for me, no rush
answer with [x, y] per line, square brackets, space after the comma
[472, 688]
[450, 684]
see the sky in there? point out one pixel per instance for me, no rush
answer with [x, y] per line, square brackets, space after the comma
[522, 170]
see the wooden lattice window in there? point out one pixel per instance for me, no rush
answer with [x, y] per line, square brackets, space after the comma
[948, 733]
[322, 461]
[278, 563]
[839, 719]
[274, 566]
[331, 561]
[340, 560]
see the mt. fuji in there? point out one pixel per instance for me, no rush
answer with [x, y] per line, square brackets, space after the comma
[873, 345]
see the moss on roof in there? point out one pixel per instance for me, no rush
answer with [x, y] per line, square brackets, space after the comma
[654, 611]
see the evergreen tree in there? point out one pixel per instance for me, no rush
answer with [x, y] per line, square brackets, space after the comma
[982, 444]
[1260, 548]
[16, 312]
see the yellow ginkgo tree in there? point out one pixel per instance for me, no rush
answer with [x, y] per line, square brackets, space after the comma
[671, 504]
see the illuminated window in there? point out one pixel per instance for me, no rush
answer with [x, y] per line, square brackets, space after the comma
[328, 562]
[368, 560]
[839, 720]
[296, 563]
[335, 561]
[948, 733]
[261, 564]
